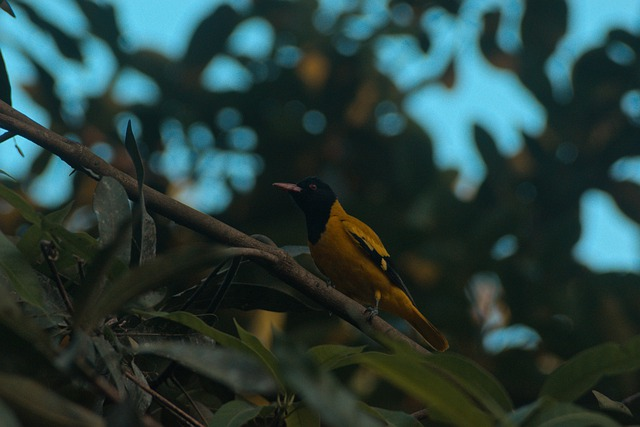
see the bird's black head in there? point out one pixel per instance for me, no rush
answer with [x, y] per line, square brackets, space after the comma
[311, 194]
[315, 198]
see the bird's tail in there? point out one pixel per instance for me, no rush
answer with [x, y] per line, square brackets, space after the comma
[430, 333]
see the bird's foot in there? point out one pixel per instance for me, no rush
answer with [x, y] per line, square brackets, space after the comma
[371, 312]
[330, 284]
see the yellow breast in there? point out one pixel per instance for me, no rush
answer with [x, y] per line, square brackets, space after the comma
[350, 270]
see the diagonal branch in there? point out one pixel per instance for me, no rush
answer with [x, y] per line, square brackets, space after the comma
[276, 261]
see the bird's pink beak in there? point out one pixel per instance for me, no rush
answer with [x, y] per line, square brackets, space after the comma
[291, 188]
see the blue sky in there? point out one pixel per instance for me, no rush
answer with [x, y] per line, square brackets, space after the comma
[610, 241]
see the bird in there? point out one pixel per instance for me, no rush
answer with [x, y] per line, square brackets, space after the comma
[352, 256]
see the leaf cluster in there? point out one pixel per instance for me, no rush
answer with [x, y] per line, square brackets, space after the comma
[105, 353]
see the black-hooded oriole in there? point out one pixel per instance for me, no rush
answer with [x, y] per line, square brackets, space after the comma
[352, 256]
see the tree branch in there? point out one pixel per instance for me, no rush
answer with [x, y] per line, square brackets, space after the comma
[276, 261]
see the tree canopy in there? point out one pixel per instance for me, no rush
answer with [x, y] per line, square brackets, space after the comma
[275, 91]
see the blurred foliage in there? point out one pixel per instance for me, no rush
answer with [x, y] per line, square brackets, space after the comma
[314, 103]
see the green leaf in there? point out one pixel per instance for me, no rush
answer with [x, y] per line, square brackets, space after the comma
[22, 277]
[132, 148]
[111, 360]
[29, 243]
[394, 418]
[302, 416]
[562, 414]
[21, 325]
[332, 356]
[548, 412]
[235, 413]
[162, 271]
[140, 399]
[80, 244]
[519, 416]
[111, 206]
[27, 211]
[445, 400]
[319, 389]
[57, 217]
[238, 370]
[37, 405]
[144, 228]
[483, 386]
[260, 351]
[606, 403]
[71, 245]
[582, 372]
[191, 321]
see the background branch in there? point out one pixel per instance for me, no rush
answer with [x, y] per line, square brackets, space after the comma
[276, 261]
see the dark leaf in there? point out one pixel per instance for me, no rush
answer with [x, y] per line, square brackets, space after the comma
[12, 318]
[111, 206]
[102, 18]
[394, 418]
[627, 197]
[5, 84]
[159, 272]
[319, 389]
[550, 413]
[111, 360]
[4, 5]
[476, 381]
[44, 93]
[303, 416]
[140, 398]
[22, 277]
[27, 211]
[331, 356]
[236, 413]
[445, 400]
[143, 245]
[582, 372]
[210, 37]
[259, 350]
[237, 370]
[37, 405]
[68, 46]
[225, 340]
[272, 297]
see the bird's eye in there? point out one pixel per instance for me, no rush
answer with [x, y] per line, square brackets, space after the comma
[313, 187]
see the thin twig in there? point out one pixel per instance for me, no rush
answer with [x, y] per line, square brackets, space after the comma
[205, 284]
[189, 398]
[164, 401]
[6, 135]
[225, 285]
[168, 371]
[49, 252]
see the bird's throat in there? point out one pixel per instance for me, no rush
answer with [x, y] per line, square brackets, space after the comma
[317, 220]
